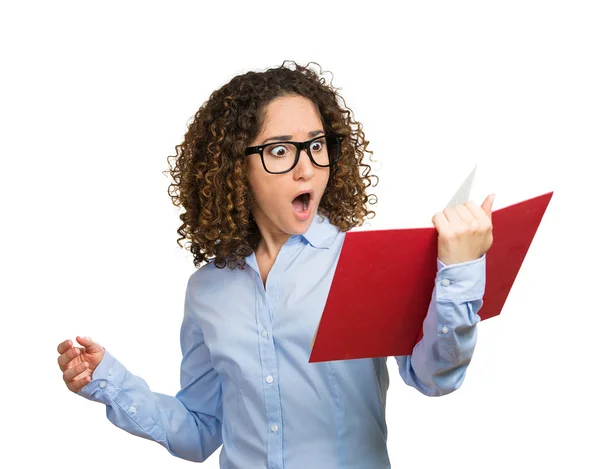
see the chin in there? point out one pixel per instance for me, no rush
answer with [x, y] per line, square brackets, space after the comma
[299, 227]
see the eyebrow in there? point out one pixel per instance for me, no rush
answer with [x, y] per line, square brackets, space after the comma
[314, 133]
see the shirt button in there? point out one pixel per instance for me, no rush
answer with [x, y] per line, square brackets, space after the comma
[445, 282]
[132, 409]
[102, 384]
[269, 379]
[274, 428]
[265, 334]
[444, 330]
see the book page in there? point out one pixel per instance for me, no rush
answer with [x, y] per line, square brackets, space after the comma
[312, 342]
[463, 194]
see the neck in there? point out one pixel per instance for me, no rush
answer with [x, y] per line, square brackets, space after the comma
[272, 239]
[270, 244]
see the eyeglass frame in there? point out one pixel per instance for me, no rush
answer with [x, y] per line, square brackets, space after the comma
[299, 147]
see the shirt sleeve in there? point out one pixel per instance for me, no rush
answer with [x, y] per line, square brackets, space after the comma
[188, 424]
[438, 363]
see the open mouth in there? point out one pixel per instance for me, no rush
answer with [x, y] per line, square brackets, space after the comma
[301, 202]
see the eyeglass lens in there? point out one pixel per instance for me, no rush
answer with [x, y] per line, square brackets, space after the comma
[279, 157]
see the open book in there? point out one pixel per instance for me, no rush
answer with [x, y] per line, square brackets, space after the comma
[378, 309]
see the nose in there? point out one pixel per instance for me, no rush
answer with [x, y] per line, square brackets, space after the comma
[304, 169]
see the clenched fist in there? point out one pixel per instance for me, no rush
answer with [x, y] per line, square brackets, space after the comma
[464, 231]
[78, 363]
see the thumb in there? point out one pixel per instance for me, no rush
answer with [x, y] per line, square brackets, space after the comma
[89, 344]
[487, 204]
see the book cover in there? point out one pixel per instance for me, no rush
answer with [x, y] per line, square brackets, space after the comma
[384, 281]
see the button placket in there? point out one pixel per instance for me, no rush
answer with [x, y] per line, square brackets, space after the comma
[266, 306]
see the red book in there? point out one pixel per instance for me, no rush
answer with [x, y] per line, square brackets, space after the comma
[384, 279]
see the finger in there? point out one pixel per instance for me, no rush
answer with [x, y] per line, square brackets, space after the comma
[440, 222]
[485, 221]
[67, 357]
[487, 204]
[456, 223]
[75, 371]
[465, 214]
[79, 383]
[452, 216]
[89, 345]
[64, 346]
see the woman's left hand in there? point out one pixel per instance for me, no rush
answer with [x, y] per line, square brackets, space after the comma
[464, 231]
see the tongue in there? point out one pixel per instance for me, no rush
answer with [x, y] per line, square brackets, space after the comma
[298, 204]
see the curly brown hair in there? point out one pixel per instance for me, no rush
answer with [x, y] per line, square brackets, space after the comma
[210, 166]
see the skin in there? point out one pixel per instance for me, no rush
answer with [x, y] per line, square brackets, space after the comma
[273, 193]
[464, 232]
[78, 363]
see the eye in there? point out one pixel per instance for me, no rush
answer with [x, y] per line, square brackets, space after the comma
[319, 146]
[278, 150]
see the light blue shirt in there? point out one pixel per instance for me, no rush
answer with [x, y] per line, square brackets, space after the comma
[246, 382]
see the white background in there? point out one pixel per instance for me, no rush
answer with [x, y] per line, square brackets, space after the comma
[95, 96]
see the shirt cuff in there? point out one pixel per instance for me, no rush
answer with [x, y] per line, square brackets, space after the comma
[107, 377]
[461, 282]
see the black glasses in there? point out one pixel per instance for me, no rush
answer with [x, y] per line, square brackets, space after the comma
[281, 157]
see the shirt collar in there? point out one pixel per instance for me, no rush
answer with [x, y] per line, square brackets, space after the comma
[321, 232]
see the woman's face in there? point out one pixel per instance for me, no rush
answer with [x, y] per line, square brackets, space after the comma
[293, 118]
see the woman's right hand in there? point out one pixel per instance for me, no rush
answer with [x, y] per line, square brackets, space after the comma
[78, 363]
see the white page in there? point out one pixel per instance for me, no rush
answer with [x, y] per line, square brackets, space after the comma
[463, 194]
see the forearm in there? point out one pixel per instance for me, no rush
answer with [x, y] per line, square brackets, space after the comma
[133, 407]
[439, 360]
